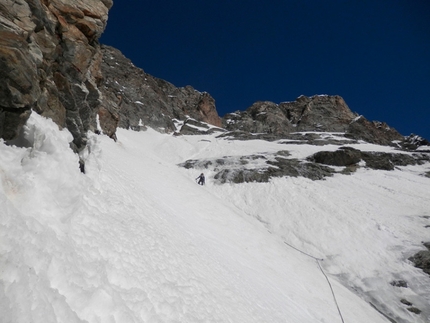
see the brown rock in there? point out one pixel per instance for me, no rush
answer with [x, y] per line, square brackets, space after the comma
[150, 100]
[108, 122]
[50, 62]
[318, 113]
[208, 111]
[374, 132]
[19, 86]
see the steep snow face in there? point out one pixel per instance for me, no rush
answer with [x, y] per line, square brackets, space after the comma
[135, 239]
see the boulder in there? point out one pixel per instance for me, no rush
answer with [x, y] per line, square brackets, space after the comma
[387, 161]
[422, 259]
[344, 156]
[347, 156]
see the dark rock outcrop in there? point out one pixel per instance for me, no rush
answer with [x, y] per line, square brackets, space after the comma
[412, 142]
[346, 156]
[262, 117]
[139, 98]
[259, 168]
[386, 161]
[50, 62]
[422, 259]
[374, 132]
[320, 113]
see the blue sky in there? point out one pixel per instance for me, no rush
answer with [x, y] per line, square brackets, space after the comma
[375, 54]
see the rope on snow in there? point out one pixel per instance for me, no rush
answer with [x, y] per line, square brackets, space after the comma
[303, 252]
[332, 292]
[328, 281]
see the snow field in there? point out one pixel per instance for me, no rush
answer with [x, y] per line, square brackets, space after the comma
[135, 239]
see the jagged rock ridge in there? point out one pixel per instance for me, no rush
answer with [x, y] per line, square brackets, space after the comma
[53, 64]
[319, 113]
[139, 99]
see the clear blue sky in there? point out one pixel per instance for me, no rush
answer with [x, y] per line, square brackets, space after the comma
[375, 54]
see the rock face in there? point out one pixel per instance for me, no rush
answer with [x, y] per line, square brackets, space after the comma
[258, 168]
[318, 113]
[50, 62]
[374, 132]
[347, 156]
[344, 156]
[138, 98]
[422, 259]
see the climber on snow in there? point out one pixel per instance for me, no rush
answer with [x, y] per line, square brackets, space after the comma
[201, 179]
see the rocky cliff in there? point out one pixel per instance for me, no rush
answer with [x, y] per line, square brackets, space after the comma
[50, 62]
[134, 99]
[319, 113]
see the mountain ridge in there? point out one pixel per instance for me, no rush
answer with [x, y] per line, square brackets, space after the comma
[320, 113]
[54, 64]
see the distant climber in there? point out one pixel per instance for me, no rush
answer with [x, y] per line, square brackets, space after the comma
[201, 179]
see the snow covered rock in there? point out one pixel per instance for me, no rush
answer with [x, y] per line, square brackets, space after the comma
[412, 142]
[194, 127]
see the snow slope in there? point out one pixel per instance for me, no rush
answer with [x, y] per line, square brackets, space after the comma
[135, 239]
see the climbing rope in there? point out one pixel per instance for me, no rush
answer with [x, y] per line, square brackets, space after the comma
[328, 281]
[303, 252]
[332, 291]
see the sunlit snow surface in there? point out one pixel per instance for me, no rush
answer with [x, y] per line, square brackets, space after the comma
[135, 239]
